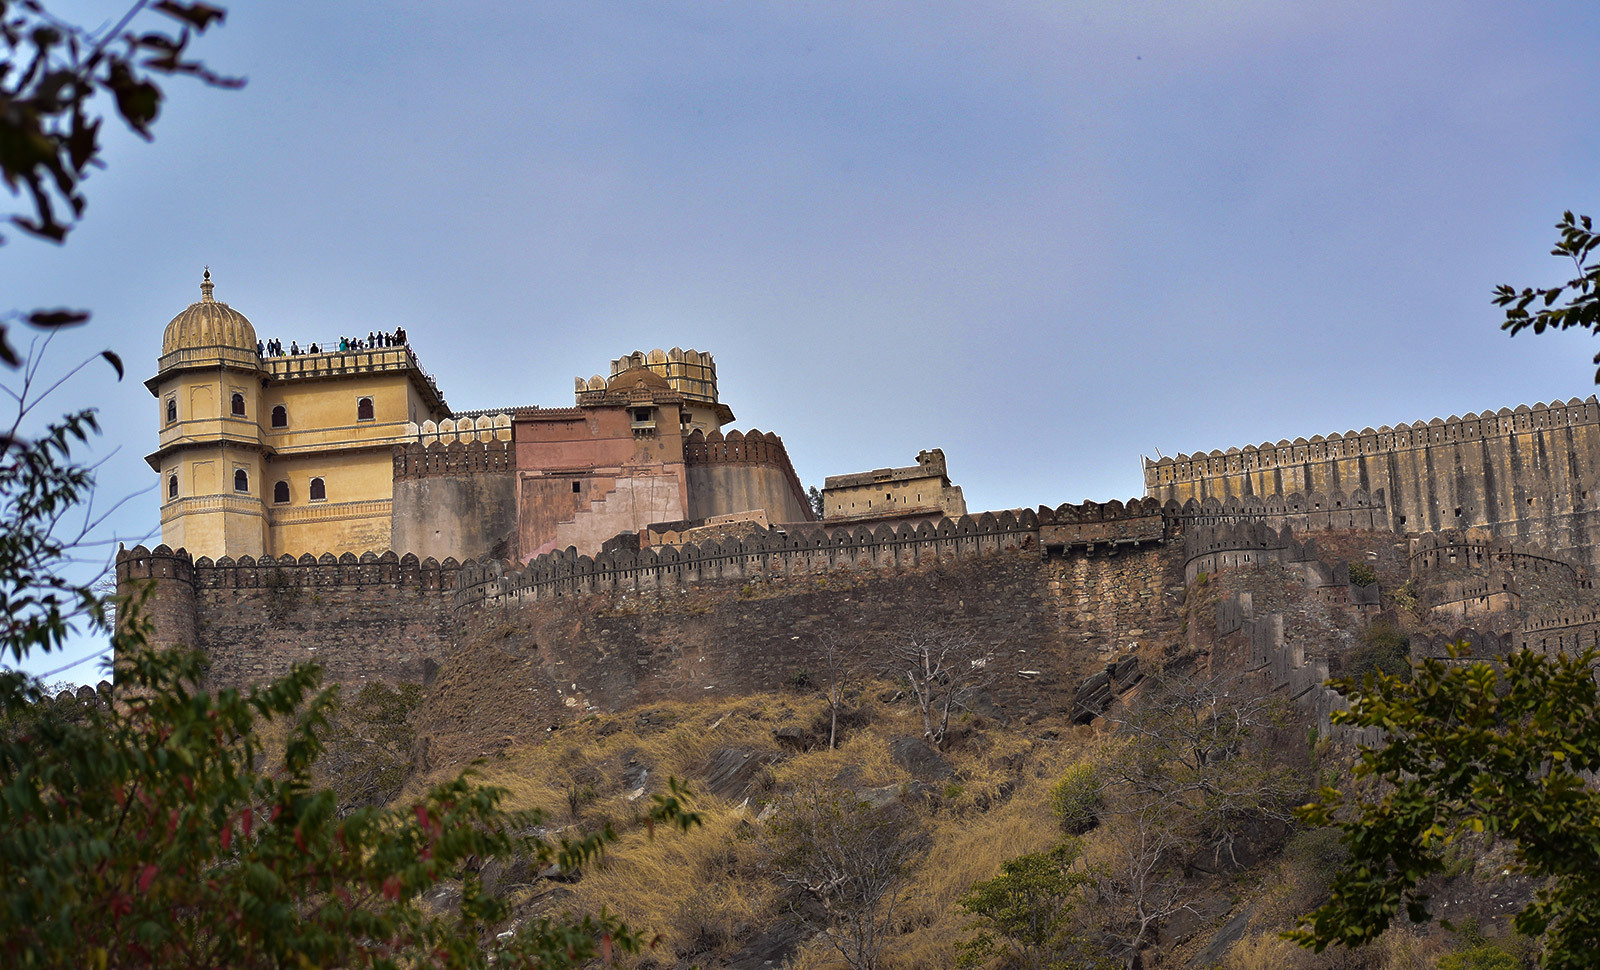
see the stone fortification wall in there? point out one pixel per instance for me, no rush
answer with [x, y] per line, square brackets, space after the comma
[1570, 631]
[1303, 512]
[374, 617]
[1531, 473]
[1454, 549]
[1284, 666]
[1211, 549]
[741, 471]
[809, 550]
[456, 498]
[617, 631]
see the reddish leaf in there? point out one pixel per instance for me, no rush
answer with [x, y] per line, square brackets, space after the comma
[247, 817]
[391, 887]
[146, 877]
[227, 836]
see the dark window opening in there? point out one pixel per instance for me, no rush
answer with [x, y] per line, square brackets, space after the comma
[280, 492]
[364, 409]
[172, 409]
[1458, 511]
[238, 404]
[576, 488]
[241, 481]
[641, 414]
[280, 417]
[319, 490]
[172, 486]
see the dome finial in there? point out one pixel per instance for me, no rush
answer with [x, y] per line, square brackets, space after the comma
[205, 287]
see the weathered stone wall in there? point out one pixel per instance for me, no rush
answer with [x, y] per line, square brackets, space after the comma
[1531, 473]
[620, 626]
[742, 471]
[456, 500]
[374, 618]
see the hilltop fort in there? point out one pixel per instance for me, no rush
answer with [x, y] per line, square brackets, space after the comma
[329, 505]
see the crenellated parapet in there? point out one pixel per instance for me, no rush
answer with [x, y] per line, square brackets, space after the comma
[1104, 525]
[815, 549]
[1370, 442]
[467, 428]
[1215, 548]
[1305, 512]
[751, 447]
[1455, 549]
[458, 457]
[386, 570]
[1480, 644]
[162, 562]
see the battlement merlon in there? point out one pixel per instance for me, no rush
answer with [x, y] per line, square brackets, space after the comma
[1402, 437]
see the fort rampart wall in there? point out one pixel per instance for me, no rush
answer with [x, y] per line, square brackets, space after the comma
[456, 498]
[1440, 551]
[741, 471]
[777, 552]
[376, 617]
[1531, 473]
[1210, 549]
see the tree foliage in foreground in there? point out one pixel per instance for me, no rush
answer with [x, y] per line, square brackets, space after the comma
[1473, 747]
[144, 835]
[1579, 297]
[55, 78]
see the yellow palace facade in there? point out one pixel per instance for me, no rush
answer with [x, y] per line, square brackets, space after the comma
[262, 453]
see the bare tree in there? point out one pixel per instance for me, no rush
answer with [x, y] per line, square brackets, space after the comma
[1183, 780]
[851, 861]
[838, 662]
[943, 671]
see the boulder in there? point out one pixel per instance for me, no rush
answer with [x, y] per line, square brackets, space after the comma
[730, 772]
[921, 761]
[791, 736]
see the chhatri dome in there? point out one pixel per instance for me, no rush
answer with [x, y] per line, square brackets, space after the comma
[208, 324]
[639, 377]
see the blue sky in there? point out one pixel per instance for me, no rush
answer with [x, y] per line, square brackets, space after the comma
[1048, 238]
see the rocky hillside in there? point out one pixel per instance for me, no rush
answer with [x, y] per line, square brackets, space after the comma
[1132, 794]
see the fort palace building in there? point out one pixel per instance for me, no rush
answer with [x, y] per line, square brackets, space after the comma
[266, 450]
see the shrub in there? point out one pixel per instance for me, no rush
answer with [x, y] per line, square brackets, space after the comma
[1384, 648]
[1484, 956]
[1075, 798]
[1362, 574]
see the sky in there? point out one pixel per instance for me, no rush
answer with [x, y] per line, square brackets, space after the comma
[1048, 238]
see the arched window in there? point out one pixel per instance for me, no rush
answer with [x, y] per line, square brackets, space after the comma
[238, 404]
[172, 486]
[280, 417]
[319, 490]
[364, 409]
[172, 409]
[241, 481]
[280, 492]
